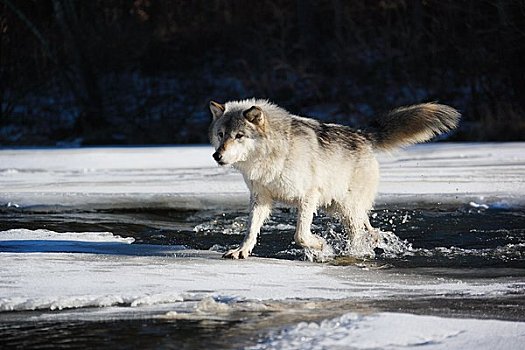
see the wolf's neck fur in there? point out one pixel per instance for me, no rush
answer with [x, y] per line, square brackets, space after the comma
[267, 164]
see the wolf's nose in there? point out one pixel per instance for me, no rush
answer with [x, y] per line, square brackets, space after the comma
[217, 156]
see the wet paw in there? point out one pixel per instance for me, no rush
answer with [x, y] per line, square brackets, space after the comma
[320, 255]
[239, 253]
[321, 243]
[312, 242]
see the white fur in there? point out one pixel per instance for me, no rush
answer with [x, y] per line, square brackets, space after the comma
[238, 151]
[311, 165]
[297, 170]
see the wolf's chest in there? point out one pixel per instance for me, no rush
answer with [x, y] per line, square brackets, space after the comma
[283, 188]
[278, 180]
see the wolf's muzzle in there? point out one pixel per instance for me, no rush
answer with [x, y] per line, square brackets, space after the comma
[218, 157]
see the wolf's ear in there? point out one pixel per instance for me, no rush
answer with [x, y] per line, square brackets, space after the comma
[254, 115]
[217, 109]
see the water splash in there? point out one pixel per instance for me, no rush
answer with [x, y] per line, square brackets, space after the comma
[366, 244]
[464, 236]
[507, 252]
[224, 224]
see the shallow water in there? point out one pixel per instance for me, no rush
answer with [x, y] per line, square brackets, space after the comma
[467, 242]
[430, 237]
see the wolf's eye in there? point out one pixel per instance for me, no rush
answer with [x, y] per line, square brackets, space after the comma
[220, 134]
[239, 136]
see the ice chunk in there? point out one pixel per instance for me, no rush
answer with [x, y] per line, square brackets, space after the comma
[46, 235]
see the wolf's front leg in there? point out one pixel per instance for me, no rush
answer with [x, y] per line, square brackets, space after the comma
[303, 235]
[260, 210]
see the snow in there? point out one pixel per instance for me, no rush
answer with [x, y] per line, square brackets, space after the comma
[486, 173]
[53, 237]
[165, 177]
[398, 331]
[187, 177]
[47, 270]
[115, 272]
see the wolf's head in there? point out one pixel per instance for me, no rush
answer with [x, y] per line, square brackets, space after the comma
[234, 131]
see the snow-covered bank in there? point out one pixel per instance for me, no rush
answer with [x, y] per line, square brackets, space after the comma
[157, 177]
[187, 178]
[491, 173]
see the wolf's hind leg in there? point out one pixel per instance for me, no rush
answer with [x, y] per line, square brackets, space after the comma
[303, 235]
[260, 210]
[373, 232]
[355, 219]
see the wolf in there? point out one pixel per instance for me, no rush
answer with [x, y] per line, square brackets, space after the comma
[313, 165]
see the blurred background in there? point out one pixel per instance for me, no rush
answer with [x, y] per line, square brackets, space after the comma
[122, 72]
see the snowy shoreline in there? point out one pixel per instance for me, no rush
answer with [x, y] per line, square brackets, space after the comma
[187, 178]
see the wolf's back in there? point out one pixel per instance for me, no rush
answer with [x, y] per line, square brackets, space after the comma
[413, 124]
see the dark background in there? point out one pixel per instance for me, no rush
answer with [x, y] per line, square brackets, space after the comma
[142, 72]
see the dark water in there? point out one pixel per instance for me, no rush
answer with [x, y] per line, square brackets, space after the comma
[463, 242]
[430, 237]
[114, 335]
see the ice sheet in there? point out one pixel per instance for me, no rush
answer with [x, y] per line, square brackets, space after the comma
[187, 177]
[52, 236]
[398, 331]
[118, 273]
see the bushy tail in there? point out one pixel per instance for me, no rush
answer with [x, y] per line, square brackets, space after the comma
[413, 124]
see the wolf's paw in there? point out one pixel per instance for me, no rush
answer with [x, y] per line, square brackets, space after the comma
[313, 242]
[239, 253]
[321, 243]
[320, 255]
[363, 243]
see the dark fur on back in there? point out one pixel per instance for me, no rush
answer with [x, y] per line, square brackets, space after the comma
[329, 135]
[412, 124]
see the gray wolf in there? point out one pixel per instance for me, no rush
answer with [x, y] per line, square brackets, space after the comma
[310, 164]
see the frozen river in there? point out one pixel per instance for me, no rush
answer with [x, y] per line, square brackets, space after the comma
[121, 247]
